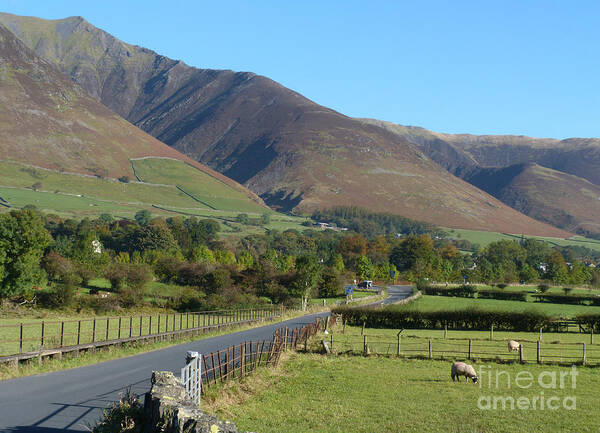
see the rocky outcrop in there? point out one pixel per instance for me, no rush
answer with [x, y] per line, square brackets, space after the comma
[170, 410]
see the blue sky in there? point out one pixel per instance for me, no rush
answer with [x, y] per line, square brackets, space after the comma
[512, 67]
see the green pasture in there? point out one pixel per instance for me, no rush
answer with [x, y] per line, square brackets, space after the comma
[328, 394]
[484, 238]
[199, 186]
[454, 344]
[439, 303]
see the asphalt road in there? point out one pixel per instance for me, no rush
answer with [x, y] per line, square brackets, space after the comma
[66, 401]
[69, 400]
[395, 294]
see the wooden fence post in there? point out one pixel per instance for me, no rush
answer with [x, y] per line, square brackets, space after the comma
[469, 354]
[94, 331]
[130, 325]
[363, 329]
[539, 354]
[141, 320]
[445, 330]
[344, 328]
[492, 332]
[592, 335]
[158, 323]
[21, 338]
[521, 359]
[365, 347]
[398, 349]
[583, 360]
[242, 358]
[430, 354]
[331, 343]
[306, 340]
[62, 333]
[285, 341]
[119, 334]
[107, 323]
[43, 326]
[150, 324]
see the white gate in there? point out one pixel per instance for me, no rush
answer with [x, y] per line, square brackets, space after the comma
[191, 376]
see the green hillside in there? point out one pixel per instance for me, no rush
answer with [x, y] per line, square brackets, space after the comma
[203, 189]
[172, 187]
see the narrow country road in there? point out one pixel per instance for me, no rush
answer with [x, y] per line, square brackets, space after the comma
[395, 294]
[69, 400]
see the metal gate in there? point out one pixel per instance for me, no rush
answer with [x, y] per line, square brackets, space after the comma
[191, 376]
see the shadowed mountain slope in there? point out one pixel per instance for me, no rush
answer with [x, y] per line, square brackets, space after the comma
[48, 121]
[555, 181]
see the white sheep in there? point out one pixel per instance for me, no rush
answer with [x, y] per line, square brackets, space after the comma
[462, 369]
[513, 345]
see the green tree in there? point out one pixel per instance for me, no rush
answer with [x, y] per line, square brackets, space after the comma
[405, 255]
[245, 260]
[331, 283]
[557, 268]
[242, 218]
[308, 275]
[143, 217]
[202, 255]
[364, 268]
[23, 240]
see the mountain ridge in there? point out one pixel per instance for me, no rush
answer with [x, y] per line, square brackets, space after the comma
[294, 153]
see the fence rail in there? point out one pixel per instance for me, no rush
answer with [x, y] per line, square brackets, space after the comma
[237, 361]
[24, 340]
[437, 348]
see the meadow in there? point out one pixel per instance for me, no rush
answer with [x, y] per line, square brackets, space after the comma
[171, 188]
[440, 303]
[483, 238]
[309, 392]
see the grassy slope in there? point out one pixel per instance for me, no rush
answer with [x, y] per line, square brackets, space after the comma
[356, 394]
[484, 238]
[210, 192]
[81, 195]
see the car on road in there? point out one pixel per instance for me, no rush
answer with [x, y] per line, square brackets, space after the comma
[366, 284]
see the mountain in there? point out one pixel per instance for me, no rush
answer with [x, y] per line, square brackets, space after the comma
[555, 181]
[294, 153]
[49, 122]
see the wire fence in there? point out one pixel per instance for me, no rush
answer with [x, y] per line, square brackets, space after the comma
[462, 348]
[25, 337]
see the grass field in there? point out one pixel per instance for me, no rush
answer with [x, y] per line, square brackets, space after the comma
[484, 238]
[197, 185]
[385, 394]
[438, 303]
[561, 348]
[78, 195]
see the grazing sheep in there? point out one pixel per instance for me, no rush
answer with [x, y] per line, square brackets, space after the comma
[513, 345]
[462, 369]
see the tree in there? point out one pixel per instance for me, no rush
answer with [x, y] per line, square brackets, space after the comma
[413, 248]
[242, 218]
[143, 217]
[364, 268]
[245, 260]
[23, 240]
[557, 268]
[265, 219]
[308, 275]
[331, 283]
[202, 255]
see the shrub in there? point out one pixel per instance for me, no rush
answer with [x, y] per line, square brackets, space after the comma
[117, 275]
[126, 416]
[498, 294]
[471, 319]
[567, 299]
[543, 288]
[501, 285]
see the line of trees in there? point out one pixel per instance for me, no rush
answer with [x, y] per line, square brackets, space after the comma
[214, 272]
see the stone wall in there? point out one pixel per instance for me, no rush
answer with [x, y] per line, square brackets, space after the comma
[170, 410]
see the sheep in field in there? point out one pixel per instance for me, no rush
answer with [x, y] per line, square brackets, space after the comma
[513, 345]
[462, 369]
